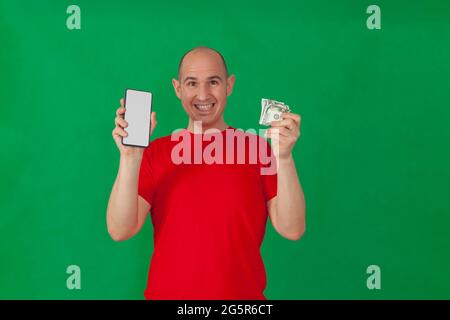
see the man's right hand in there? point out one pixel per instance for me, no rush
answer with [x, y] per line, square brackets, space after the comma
[120, 131]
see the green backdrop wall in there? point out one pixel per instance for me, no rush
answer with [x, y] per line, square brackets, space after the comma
[373, 157]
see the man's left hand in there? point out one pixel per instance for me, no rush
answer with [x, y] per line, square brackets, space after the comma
[288, 132]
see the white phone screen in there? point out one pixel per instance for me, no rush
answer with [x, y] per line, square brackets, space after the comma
[138, 107]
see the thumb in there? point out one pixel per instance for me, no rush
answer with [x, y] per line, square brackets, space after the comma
[153, 121]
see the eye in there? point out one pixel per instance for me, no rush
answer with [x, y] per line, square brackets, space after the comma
[214, 82]
[191, 84]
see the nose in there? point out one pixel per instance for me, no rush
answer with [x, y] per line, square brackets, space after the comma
[203, 92]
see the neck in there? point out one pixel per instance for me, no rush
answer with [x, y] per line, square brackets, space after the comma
[219, 125]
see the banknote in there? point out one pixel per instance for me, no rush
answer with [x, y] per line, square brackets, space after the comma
[271, 110]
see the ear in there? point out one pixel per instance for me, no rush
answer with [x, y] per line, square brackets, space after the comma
[230, 84]
[177, 87]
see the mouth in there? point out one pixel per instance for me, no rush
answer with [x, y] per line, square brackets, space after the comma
[204, 107]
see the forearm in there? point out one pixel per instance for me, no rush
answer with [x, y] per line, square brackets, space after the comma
[290, 199]
[122, 212]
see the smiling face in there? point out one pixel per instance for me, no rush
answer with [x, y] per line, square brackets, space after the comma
[203, 87]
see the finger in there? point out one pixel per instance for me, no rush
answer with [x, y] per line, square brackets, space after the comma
[296, 117]
[120, 111]
[119, 132]
[292, 126]
[121, 122]
[282, 131]
[122, 102]
[153, 121]
[272, 135]
[288, 123]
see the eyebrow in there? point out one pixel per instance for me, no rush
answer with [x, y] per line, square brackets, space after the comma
[209, 78]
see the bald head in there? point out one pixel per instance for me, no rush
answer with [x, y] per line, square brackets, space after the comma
[202, 52]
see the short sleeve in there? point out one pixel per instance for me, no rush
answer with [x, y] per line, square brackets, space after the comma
[146, 184]
[268, 170]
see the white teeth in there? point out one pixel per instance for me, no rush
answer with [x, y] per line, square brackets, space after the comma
[204, 107]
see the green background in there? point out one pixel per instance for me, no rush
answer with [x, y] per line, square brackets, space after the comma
[373, 157]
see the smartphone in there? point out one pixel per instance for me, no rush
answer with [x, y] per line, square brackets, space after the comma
[138, 108]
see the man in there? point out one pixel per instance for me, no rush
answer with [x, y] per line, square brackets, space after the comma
[209, 219]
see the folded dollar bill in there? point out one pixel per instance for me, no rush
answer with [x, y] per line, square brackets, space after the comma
[271, 110]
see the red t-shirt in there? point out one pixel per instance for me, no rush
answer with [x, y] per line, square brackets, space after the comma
[209, 219]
